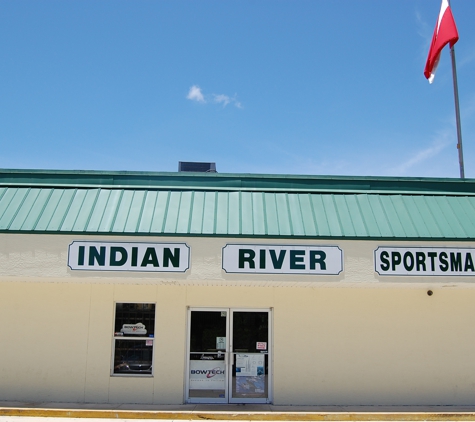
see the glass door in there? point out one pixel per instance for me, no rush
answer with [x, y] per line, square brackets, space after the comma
[228, 356]
[250, 344]
[207, 362]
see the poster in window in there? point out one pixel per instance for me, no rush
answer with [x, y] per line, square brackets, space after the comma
[249, 365]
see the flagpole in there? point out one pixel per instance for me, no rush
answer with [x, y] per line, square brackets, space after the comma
[457, 114]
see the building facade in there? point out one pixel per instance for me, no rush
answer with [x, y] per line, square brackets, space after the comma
[169, 288]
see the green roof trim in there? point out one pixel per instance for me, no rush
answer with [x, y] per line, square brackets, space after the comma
[234, 182]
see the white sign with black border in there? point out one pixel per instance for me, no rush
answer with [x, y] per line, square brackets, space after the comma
[282, 259]
[401, 261]
[134, 256]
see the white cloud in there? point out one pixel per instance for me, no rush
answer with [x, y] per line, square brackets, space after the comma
[445, 137]
[442, 140]
[221, 98]
[195, 94]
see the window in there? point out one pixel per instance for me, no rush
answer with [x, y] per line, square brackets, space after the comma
[133, 338]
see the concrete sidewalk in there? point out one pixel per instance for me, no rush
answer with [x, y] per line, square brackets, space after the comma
[247, 412]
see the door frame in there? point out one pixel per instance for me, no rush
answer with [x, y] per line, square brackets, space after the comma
[229, 356]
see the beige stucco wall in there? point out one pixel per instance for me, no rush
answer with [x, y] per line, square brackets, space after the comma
[355, 338]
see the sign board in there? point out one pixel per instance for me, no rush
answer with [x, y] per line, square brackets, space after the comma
[207, 374]
[220, 343]
[112, 256]
[261, 345]
[282, 259]
[403, 261]
[138, 328]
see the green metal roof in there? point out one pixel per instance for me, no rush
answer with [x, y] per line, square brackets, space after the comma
[173, 204]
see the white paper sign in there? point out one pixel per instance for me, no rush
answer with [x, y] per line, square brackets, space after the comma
[221, 343]
[249, 364]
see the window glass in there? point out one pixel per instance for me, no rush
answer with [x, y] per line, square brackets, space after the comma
[134, 330]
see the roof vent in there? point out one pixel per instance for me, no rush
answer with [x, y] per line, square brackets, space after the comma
[197, 167]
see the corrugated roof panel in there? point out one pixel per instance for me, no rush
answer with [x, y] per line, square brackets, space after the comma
[36, 210]
[380, 217]
[453, 218]
[466, 213]
[11, 203]
[5, 201]
[171, 216]
[60, 211]
[259, 221]
[356, 216]
[196, 225]
[369, 215]
[285, 225]
[344, 213]
[74, 210]
[308, 218]
[209, 213]
[416, 217]
[46, 215]
[85, 211]
[321, 220]
[110, 211]
[424, 217]
[404, 216]
[147, 211]
[98, 210]
[135, 212]
[222, 199]
[184, 214]
[332, 215]
[295, 215]
[395, 223]
[25, 209]
[442, 221]
[270, 209]
[234, 213]
[247, 217]
[159, 215]
[123, 209]
[344, 217]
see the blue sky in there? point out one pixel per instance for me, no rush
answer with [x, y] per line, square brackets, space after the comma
[330, 87]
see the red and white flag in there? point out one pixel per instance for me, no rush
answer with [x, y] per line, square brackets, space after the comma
[445, 32]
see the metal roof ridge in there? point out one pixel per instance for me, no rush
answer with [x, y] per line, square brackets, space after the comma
[316, 190]
[231, 175]
[236, 182]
